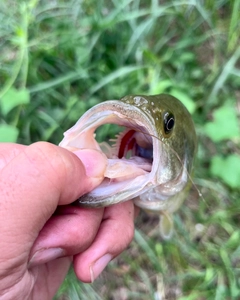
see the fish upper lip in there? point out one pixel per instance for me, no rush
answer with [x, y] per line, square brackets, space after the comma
[81, 135]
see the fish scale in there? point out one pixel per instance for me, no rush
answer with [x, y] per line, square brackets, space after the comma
[161, 139]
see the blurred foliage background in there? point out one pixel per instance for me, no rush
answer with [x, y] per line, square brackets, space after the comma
[59, 58]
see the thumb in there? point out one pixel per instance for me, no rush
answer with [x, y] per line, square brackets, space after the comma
[37, 180]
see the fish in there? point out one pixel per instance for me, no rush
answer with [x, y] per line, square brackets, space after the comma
[149, 162]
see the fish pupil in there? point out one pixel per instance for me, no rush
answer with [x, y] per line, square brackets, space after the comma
[169, 122]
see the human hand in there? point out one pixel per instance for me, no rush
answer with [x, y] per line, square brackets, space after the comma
[41, 234]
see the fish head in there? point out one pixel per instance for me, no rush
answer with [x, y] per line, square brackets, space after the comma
[149, 161]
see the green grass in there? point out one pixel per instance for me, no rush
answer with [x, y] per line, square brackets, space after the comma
[59, 58]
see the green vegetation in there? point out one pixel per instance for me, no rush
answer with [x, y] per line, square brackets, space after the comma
[59, 58]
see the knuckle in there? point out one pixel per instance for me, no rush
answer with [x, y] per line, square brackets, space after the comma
[81, 235]
[79, 240]
[129, 233]
[121, 218]
[46, 158]
[125, 236]
[40, 152]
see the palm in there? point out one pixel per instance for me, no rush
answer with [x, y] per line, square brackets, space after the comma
[46, 279]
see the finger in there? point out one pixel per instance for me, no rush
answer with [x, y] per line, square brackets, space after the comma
[37, 180]
[69, 232]
[8, 152]
[47, 277]
[114, 235]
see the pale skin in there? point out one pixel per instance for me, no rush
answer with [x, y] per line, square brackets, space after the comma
[41, 234]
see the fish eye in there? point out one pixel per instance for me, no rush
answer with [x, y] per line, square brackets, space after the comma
[169, 121]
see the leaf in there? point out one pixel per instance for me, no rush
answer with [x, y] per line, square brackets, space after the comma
[159, 87]
[13, 98]
[225, 124]
[8, 134]
[114, 75]
[69, 77]
[228, 169]
[146, 246]
[185, 99]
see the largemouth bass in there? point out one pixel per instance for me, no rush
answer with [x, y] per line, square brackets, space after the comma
[149, 162]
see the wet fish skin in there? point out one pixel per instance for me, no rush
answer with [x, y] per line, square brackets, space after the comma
[182, 141]
[173, 150]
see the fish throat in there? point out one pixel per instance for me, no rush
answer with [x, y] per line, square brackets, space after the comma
[129, 146]
[130, 153]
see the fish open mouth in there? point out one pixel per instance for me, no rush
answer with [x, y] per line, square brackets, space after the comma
[130, 155]
[130, 170]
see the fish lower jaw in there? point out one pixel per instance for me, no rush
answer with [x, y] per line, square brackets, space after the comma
[114, 191]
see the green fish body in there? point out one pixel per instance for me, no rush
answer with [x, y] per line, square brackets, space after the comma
[151, 159]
